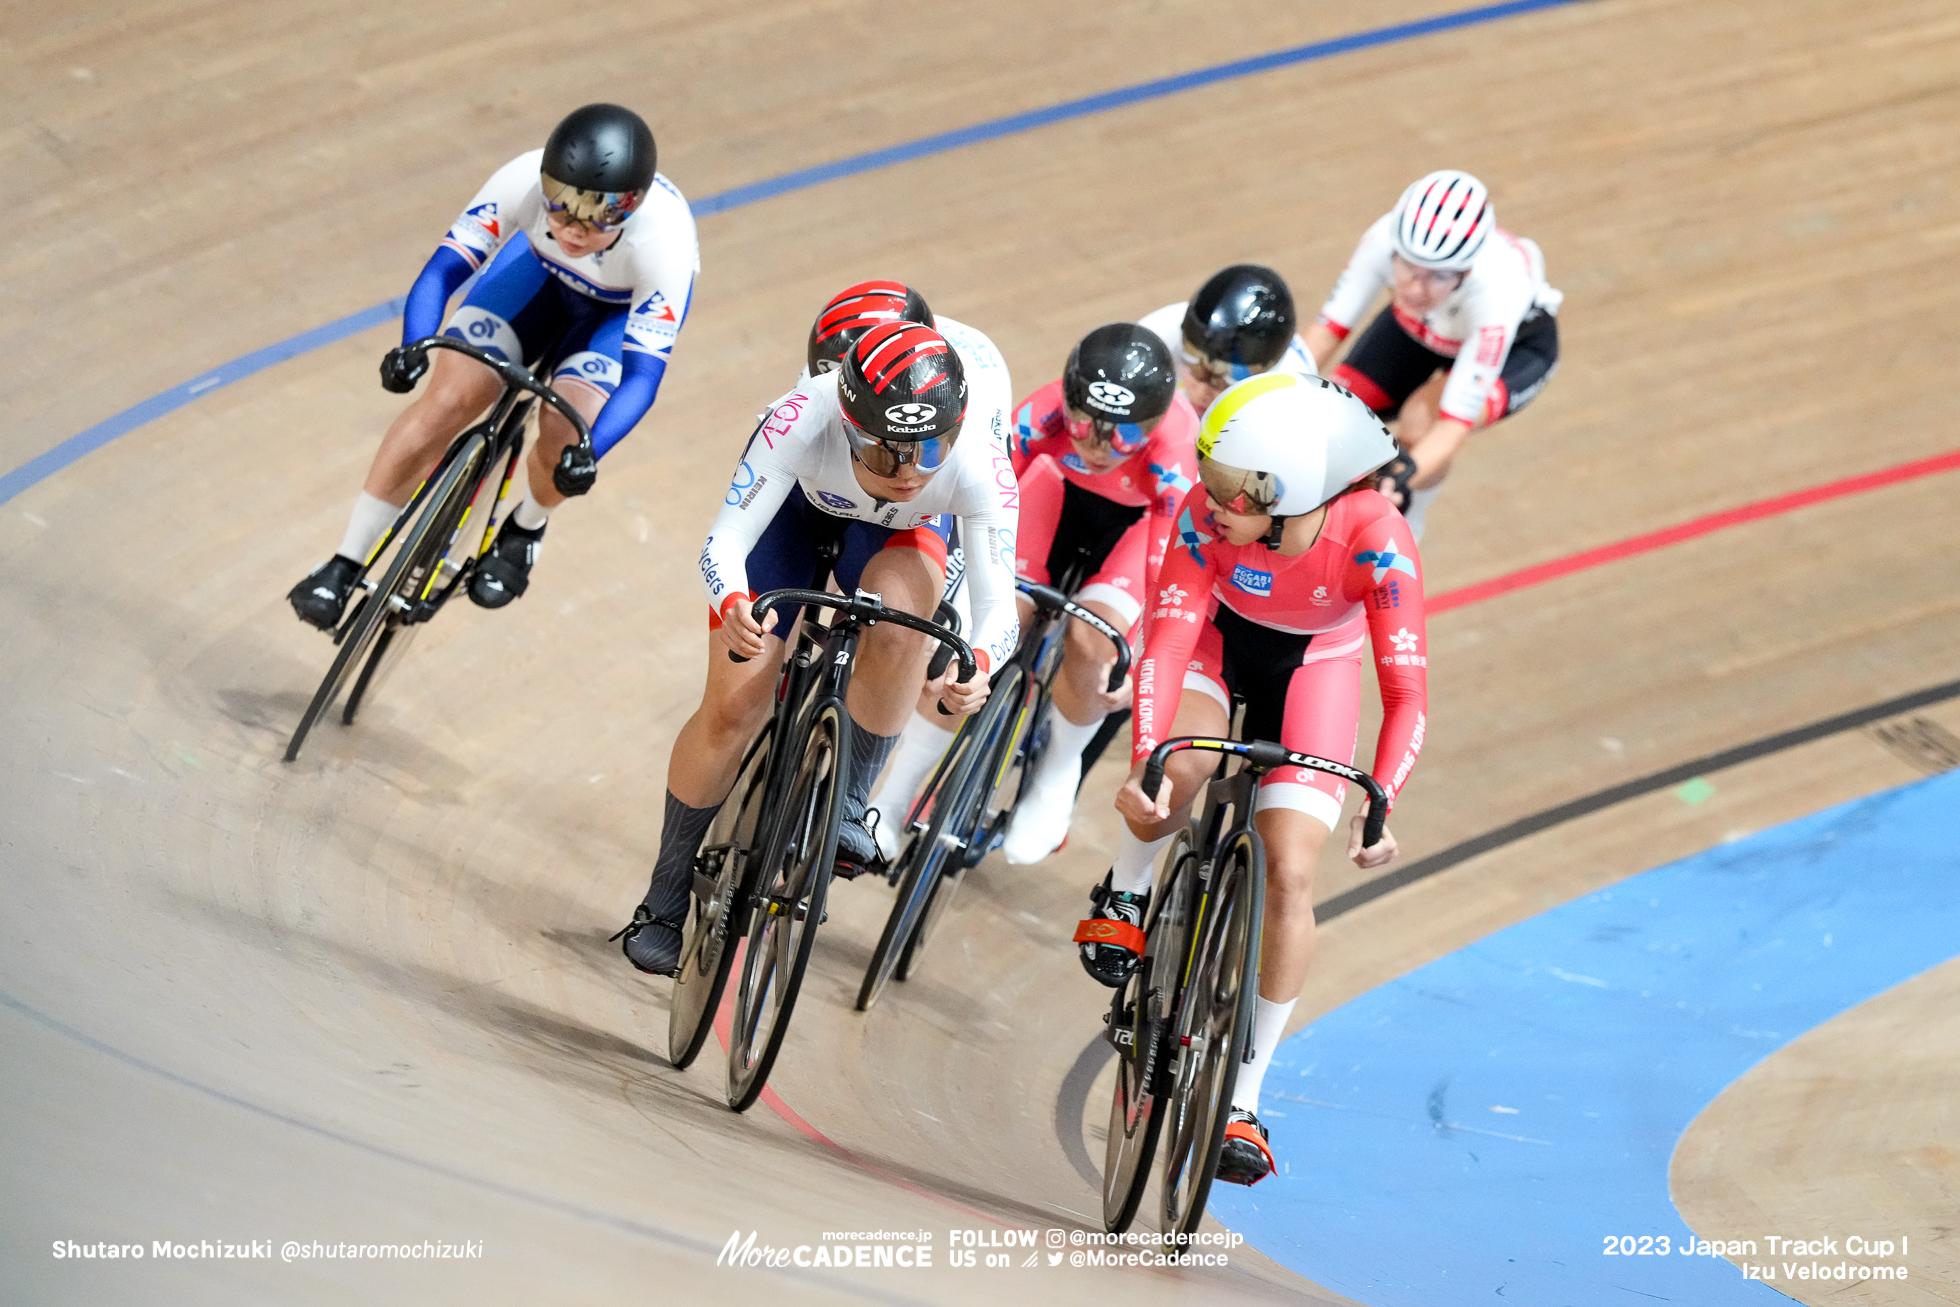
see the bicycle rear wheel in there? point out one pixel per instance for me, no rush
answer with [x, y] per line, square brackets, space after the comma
[720, 882]
[426, 537]
[1139, 1031]
[788, 903]
[1213, 1027]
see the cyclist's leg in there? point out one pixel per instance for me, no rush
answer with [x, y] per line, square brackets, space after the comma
[1124, 894]
[587, 373]
[458, 389]
[1297, 810]
[503, 313]
[585, 378]
[908, 570]
[1114, 540]
[707, 753]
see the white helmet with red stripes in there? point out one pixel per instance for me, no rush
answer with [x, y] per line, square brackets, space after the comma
[1443, 221]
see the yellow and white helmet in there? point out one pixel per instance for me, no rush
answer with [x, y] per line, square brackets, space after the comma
[1282, 444]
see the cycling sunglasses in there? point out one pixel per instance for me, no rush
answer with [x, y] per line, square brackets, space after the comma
[1247, 494]
[883, 458]
[1220, 373]
[1121, 437]
[601, 210]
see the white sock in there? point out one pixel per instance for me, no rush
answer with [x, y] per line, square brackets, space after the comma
[1418, 509]
[1061, 764]
[920, 747]
[1267, 1028]
[529, 513]
[369, 519]
[1135, 862]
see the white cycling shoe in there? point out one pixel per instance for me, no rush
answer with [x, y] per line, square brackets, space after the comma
[1041, 819]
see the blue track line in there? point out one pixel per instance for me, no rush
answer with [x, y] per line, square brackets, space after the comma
[38, 469]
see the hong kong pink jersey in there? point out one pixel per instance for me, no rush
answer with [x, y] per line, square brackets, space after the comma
[1363, 564]
[1156, 476]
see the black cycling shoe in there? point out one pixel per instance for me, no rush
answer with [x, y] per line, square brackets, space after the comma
[857, 851]
[652, 943]
[1245, 1159]
[505, 572]
[1112, 935]
[322, 597]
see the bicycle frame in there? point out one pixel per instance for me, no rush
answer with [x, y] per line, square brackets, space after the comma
[504, 427]
[425, 572]
[1164, 1022]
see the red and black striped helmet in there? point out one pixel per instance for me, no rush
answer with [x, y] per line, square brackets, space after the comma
[855, 311]
[903, 384]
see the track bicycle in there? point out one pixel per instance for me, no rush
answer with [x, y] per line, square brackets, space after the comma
[960, 815]
[1182, 1023]
[439, 550]
[764, 869]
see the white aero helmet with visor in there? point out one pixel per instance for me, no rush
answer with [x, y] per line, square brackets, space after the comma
[1280, 444]
[1443, 221]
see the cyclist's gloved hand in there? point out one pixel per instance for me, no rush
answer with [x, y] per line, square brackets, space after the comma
[960, 698]
[576, 471]
[1395, 478]
[402, 367]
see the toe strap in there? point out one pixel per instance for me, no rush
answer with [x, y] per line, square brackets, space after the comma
[1101, 930]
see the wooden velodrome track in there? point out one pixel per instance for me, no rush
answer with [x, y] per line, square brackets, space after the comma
[367, 997]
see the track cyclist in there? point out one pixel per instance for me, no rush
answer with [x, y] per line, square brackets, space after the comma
[1239, 324]
[587, 257]
[1287, 558]
[880, 456]
[1104, 456]
[1469, 300]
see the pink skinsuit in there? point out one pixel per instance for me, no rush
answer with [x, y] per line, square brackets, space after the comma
[1362, 572]
[1155, 477]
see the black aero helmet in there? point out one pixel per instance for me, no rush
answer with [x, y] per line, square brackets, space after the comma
[1240, 321]
[1120, 373]
[598, 164]
[903, 391]
[856, 310]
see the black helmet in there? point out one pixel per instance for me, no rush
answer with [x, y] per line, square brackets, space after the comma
[903, 391]
[1120, 374]
[598, 164]
[1240, 322]
[855, 311]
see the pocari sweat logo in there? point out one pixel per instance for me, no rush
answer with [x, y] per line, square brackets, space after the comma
[1252, 581]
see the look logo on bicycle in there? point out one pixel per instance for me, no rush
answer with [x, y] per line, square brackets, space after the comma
[1469, 337]
[587, 257]
[1286, 563]
[880, 457]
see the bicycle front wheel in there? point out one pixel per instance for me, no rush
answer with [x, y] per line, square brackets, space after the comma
[975, 826]
[787, 905]
[1213, 1027]
[425, 540]
[721, 881]
[1140, 1032]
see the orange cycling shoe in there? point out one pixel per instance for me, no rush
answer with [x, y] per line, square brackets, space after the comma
[1246, 1158]
[1112, 935]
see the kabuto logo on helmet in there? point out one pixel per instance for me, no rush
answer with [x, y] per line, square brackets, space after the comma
[910, 415]
[1112, 398]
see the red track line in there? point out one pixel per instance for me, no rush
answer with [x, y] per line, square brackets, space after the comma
[1542, 572]
[723, 1020]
